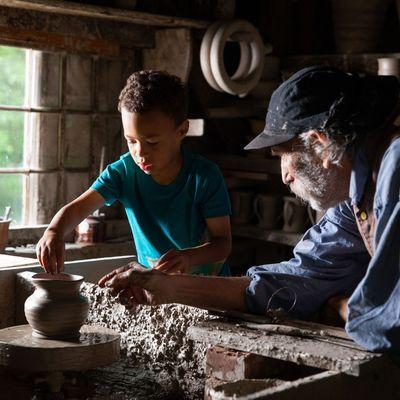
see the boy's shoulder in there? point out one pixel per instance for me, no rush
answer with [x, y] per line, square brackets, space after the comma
[126, 157]
[124, 166]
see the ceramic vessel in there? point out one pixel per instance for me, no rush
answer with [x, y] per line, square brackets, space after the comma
[56, 309]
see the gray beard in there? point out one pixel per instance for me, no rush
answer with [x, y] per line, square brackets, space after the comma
[316, 185]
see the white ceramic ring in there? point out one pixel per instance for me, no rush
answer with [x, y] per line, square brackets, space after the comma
[242, 85]
[205, 50]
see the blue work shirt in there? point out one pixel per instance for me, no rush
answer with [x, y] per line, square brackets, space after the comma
[331, 259]
[165, 217]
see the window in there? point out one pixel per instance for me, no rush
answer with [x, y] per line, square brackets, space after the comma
[57, 111]
[12, 122]
[29, 132]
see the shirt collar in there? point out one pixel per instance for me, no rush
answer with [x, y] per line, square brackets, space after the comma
[359, 176]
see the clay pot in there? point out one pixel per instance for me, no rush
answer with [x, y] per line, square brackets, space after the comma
[56, 309]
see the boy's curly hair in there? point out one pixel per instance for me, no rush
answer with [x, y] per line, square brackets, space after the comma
[154, 90]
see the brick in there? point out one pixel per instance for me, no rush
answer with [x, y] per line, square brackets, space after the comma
[77, 141]
[78, 82]
[230, 365]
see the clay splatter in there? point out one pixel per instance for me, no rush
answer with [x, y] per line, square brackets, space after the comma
[154, 339]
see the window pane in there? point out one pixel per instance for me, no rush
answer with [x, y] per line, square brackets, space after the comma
[11, 195]
[12, 76]
[11, 139]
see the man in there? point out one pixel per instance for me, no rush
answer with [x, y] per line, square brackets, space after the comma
[340, 151]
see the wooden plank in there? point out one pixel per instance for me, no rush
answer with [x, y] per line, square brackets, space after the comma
[304, 351]
[236, 111]
[51, 41]
[363, 62]
[264, 322]
[7, 261]
[305, 333]
[75, 251]
[109, 13]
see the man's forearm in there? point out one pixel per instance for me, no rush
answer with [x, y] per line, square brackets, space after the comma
[206, 292]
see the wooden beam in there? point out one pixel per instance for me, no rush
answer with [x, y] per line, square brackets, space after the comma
[274, 236]
[114, 14]
[55, 41]
[46, 31]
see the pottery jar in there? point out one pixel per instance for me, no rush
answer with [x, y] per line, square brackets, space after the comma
[56, 309]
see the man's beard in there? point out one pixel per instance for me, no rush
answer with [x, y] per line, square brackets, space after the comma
[315, 184]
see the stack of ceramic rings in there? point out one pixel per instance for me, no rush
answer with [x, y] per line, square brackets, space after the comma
[251, 63]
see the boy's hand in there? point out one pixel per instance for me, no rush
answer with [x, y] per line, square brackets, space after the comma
[173, 261]
[50, 252]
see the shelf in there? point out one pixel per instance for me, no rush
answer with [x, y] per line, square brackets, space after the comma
[274, 236]
[246, 164]
[109, 13]
[238, 108]
[75, 251]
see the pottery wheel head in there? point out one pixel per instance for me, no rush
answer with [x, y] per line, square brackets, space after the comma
[57, 277]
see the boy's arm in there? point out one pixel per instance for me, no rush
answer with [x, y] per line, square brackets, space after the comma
[50, 248]
[216, 249]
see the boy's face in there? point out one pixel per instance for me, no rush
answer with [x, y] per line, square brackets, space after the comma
[154, 140]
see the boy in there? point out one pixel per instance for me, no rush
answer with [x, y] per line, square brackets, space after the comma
[171, 196]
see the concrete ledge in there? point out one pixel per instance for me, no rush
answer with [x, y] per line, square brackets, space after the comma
[15, 284]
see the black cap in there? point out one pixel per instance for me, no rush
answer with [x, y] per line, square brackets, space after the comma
[322, 97]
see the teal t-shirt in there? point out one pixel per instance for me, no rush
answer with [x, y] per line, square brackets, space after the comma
[164, 217]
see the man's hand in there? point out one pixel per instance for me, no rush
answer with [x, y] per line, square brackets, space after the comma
[173, 261]
[134, 285]
[102, 282]
[50, 252]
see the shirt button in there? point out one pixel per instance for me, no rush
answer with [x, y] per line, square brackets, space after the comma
[363, 215]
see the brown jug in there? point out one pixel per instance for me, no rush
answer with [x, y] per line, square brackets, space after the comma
[56, 309]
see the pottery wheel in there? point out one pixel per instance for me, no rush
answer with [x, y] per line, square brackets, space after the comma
[95, 347]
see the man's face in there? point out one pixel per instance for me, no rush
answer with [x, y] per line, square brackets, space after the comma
[322, 186]
[153, 139]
